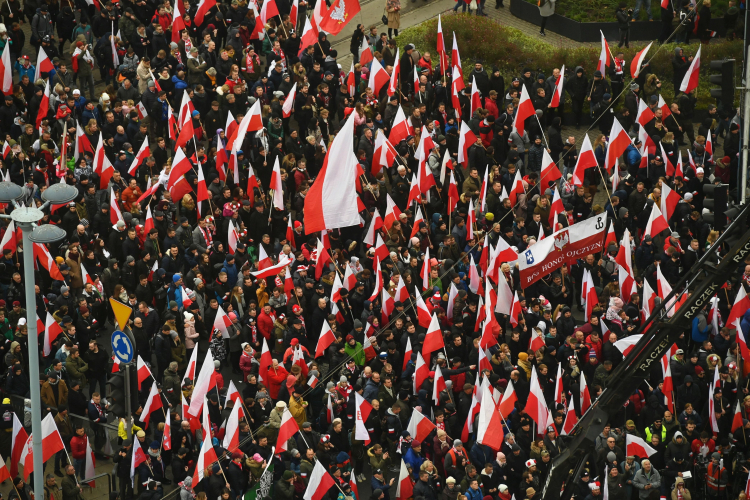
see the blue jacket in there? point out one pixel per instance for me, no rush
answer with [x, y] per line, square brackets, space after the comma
[474, 494]
[30, 71]
[371, 390]
[231, 270]
[632, 156]
[384, 486]
[415, 461]
[700, 334]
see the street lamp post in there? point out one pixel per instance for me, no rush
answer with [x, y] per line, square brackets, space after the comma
[26, 218]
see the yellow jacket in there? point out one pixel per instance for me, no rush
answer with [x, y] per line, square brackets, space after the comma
[298, 410]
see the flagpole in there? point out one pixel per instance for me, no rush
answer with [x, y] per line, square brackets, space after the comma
[542, 129]
[607, 190]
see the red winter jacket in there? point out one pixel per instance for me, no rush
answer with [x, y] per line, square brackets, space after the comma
[265, 325]
[78, 447]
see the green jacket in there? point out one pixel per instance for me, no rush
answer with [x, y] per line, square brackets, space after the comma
[70, 489]
[357, 353]
[76, 368]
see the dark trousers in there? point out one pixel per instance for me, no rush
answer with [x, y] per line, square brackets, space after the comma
[624, 38]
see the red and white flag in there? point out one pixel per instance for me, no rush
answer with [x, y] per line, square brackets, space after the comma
[143, 371]
[362, 412]
[619, 140]
[331, 202]
[319, 483]
[525, 110]
[604, 57]
[289, 100]
[206, 458]
[690, 80]
[43, 105]
[637, 446]
[565, 245]
[536, 406]
[52, 330]
[635, 65]
[166, 440]
[490, 429]
[656, 223]
[508, 402]
[379, 77]
[419, 426]
[232, 432]
[571, 419]
[153, 403]
[586, 159]
[287, 429]
[143, 153]
[669, 200]
[6, 71]
[404, 488]
[203, 7]
[205, 382]
[433, 340]
[421, 372]
[325, 340]
[18, 441]
[557, 92]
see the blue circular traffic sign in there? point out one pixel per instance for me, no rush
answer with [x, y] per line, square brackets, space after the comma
[122, 347]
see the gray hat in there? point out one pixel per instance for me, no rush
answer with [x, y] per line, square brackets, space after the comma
[343, 379]
[64, 289]
[457, 443]
[197, 281]
[172, 45]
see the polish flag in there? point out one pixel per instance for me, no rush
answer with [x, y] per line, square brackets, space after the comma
[234, 395]
[393, 82]
[203, 7]
[508, 403]
[139, 457]
[264, 261]
[490, 429]
[515, 310]
[114, 210]
[556, 208]
[665, 111]
[309, 36]
[204, 383]
[400, 128]
[591, 299]
[476, 101]
[471, 220]
[690, 80]
[619, 140]
[557, 93]
[385, 154]
[603, 63]
[586, 159]
[421, 372]
[656, 223]
[52, 330]
[350, 81]
[362, 412]
[287, 429]
[206, 458]
[143, 371]
[102, 165]
[6, 69]
[439, 384]
[649, 301]
[18, 442]
[265, 362]
[404, 488]
[392, 213]
[669, 199]
[419, 426]
[709, 147]
[637, 446]
[153, 402]
[457, 84]
[402, 293]
[365, 53]
[645, 114]
[143, 153]
[571, 419]
[536, 341]
[611, 238]
[268, 10]
[679, 170]
[516, 189]
[456, 61]
[711, 410]
[475, 282]
[378, 280]
[51, 440]
[536, 406]
[550, 172]
[635, 65]
[141, 109]
[222, 322]
[323, 257]
[737, 419]
[559, 386]
[9, 241]
[740, 306]
[585, 398]
[232, 432]
[43, 104]
[525, 110]
[332, 200]
[325, 340]
[466, 139]
[444, 66]
[319, 483]
[433, 340]
[289, 100]
[4, 474]
[378, 76]
[663, 289]
[453, 196]
[426, 320]
[407, 354]
[166, 439]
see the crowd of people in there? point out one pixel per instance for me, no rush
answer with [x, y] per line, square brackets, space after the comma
[182, 254]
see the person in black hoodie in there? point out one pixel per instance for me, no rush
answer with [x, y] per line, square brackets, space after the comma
[578, 88]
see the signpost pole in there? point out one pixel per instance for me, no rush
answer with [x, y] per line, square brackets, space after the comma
[128, 406]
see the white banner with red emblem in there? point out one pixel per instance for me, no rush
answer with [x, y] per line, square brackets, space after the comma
[566, 245]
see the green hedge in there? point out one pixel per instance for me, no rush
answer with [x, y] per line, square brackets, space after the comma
[512, 50]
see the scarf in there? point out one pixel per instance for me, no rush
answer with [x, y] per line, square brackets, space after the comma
[619, 64]
[177, 56]
[249, 64]
[281, 54]
[46, 176]
[206, 236]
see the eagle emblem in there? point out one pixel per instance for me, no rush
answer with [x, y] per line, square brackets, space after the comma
[529, 257]
[339, 12]
[561, 240]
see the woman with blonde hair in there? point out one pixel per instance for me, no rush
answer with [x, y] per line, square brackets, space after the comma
[187, 209]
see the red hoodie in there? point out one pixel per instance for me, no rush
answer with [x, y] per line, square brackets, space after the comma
[78, 447]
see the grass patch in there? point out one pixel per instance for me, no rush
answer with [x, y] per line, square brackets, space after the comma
[511, 50]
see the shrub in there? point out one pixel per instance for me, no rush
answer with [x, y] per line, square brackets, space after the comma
[588, 11]
[511, 50]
